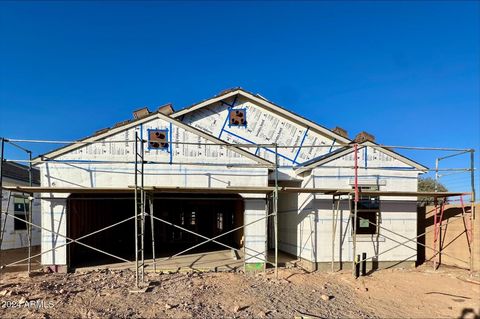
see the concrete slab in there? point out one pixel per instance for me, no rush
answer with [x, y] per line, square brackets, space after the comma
[222, 260]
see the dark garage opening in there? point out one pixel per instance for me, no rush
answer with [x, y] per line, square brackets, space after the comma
[209, 215]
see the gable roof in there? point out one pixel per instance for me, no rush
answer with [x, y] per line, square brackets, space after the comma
[267, 104]
[120, 127]
[323, 159]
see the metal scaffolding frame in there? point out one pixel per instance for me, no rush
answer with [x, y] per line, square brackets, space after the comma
[143, 193]
[27, 214]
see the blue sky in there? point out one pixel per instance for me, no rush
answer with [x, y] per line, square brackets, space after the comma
[408, 72]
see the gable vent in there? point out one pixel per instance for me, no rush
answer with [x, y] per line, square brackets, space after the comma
[238, 117]
[157, 139]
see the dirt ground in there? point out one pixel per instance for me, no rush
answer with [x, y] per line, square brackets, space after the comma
[396, 293]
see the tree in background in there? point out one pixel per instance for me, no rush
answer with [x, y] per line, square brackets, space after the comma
[427, 184]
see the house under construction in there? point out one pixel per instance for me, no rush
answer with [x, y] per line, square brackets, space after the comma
[234, 172]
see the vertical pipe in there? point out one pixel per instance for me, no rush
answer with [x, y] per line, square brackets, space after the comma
[472, 173]
[275, 206]
[268, 239]
[435, 235]
[342, 238]
[25, 216]
[136, 210]
[333, 231]
[364, 264]
[472, 207]
[356, 172]
[357, 266]
[244, 238]
[439, 223]
[2, 148]
[334, 225]
[150, 198]
[354, 223]
[468, 232]
[30, 210]
[142, 208]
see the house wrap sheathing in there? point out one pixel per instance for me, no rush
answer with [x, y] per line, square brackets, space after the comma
[305, 220]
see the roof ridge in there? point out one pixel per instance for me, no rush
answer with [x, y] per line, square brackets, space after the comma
[261, 99]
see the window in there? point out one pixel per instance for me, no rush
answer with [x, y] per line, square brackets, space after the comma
[158, 139]
[220, 221]
[192, 219]
[368, 212]
[237, 117]
[20, 209]
[366, 223]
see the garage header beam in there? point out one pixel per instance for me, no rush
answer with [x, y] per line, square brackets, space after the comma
[220, 190]
[131, 189]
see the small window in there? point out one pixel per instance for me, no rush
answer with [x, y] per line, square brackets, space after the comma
[158, 139]
[220, 221]
[368, 212]
[237, 117]
[21, 208]
[366, 222]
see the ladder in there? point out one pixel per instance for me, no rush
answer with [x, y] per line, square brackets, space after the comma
[139, 211]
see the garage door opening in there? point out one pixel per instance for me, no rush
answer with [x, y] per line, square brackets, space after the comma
[208, 215]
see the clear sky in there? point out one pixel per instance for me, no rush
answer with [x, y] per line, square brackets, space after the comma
[407, 72]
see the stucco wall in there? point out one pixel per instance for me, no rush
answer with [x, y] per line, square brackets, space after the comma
[306, 221]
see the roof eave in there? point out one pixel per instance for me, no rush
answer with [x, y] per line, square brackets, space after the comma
[110, 132]
[333, 156]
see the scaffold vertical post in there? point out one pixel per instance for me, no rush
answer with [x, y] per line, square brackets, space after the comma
[439, 224]
[142, 210]
[435, 230]
[136, 209]
[151, 199]
[2, 149]
[354, 222]
[333, 231]
[275, 207]
[139, 210]
[472, 208]
[30, 211]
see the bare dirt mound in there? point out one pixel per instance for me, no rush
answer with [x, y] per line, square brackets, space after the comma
[108, 294]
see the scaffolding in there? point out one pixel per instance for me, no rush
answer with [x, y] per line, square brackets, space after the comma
[27, 212]
[144, 204]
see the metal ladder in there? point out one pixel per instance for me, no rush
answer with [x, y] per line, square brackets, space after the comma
[139, 211]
